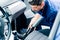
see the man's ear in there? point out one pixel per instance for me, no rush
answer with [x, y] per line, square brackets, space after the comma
[42, 4]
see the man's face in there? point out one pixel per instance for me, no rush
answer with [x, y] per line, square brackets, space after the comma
[37, 7]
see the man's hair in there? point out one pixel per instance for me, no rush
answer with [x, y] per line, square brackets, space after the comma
[35, 2]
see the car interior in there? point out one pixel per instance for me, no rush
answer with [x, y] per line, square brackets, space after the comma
[18, 21]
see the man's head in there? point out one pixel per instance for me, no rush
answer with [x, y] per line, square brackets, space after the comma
[36, 4]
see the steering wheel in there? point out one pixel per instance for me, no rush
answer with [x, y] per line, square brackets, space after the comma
[7, 32]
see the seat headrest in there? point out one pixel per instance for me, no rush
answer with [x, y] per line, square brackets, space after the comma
[15, 7]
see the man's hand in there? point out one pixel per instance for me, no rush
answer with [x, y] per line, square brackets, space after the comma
[30, 26]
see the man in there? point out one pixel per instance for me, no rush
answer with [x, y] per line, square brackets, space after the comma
[47, 10]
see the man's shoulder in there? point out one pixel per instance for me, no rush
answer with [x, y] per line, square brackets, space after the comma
[52, 9]
[51, 5]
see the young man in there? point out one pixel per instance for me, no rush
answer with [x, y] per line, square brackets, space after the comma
[44, 8]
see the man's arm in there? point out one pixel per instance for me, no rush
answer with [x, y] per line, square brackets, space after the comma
[33, 20]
